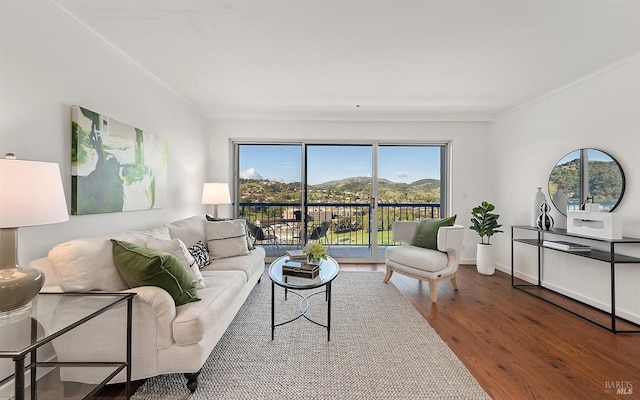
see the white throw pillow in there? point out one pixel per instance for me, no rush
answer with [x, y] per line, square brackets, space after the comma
[226, 238]
[180, 251]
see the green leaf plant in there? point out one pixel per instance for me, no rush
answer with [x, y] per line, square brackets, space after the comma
[484, 222]
[315, 250]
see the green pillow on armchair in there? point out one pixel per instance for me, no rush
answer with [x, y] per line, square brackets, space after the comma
[427, 232]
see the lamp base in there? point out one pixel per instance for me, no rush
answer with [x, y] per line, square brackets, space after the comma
[18, 286]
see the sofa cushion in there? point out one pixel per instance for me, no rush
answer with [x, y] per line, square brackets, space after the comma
[226, 238]
[189, 230]
[427, 232]
[249, 264]
[141, 266]
[179, 251]
[426, 259]
[141, 237]
[191, 321]
[82, 265]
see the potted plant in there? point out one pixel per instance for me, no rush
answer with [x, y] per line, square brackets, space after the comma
[485, 223]
[315, 252]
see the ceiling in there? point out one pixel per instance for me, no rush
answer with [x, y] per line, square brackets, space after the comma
[364, 59]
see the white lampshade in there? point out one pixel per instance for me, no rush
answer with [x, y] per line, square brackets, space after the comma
[31, 193]
[216, 193]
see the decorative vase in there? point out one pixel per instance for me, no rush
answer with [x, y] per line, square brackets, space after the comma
[314, 260]
[485, 259]
[545, 221]
[538, 199]
[560, 201]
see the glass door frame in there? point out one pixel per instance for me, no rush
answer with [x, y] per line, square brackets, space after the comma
[445, 176]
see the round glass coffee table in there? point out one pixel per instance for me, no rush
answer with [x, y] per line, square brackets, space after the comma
[329, 269]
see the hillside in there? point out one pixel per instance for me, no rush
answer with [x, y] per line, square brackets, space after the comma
[356, 189]
[605, 182]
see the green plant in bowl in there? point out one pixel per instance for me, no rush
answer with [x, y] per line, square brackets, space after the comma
[315, 253]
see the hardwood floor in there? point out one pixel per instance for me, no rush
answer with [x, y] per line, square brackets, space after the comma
[515, 345]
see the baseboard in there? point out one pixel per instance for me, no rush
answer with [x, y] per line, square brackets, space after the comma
[468, 261]
[574, 295]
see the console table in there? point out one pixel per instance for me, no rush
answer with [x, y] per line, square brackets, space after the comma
[610, 257]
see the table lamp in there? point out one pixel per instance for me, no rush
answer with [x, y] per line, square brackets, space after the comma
[31, 193]
[216, 193]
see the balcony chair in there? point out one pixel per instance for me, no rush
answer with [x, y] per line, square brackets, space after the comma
[319, 232]
[262, 235]
[432, 265]
[298, 226]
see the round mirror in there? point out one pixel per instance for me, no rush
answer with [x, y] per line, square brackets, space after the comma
[586, 176]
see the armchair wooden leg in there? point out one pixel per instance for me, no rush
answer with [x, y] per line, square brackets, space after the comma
[433, 290]
[454, 283]
[388, 275]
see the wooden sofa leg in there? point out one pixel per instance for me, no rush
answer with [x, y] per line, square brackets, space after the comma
[454, 283]
[388, 275]
[433, 290]
[192, 380]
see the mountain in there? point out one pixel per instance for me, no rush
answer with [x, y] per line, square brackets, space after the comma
[342, 190]
[251, 173]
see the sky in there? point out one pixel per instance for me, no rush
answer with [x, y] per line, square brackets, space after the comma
[592, 154]
[404, 164]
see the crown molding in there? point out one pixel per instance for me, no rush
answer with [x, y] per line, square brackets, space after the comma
[576, 82]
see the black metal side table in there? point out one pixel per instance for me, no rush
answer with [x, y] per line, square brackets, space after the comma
[328, 271]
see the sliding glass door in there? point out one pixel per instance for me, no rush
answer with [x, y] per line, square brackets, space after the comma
[344, 195]
[269, 194]
[410, 186]
[340, 193]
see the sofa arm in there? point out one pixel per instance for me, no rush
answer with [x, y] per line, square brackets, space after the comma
[103, 338]
[162, 305]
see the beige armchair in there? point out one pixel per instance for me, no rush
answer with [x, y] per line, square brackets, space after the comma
[425, 264]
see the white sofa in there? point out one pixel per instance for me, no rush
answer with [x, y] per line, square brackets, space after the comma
[166, 338]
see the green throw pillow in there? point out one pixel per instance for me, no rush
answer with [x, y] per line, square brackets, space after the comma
[140, 266]
[427, 232]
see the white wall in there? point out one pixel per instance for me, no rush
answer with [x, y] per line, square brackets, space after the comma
[468, 157]
[602, 112]
[48, 63]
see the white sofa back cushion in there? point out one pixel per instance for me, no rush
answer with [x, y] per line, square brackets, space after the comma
[86, 264]
[189, 230]
[83, 265]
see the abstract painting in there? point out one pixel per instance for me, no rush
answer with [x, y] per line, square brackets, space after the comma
[114, 166]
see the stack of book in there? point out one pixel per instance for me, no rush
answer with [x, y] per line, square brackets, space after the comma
[565, 246]
[300, 269]
[297, 255]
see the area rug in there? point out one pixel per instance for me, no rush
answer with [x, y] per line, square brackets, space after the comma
[380, 348]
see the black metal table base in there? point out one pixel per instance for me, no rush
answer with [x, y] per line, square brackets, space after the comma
[303, 307]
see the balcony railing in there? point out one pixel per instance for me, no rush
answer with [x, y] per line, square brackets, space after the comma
[349, 222]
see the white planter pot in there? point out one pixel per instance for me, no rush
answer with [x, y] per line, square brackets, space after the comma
[485, 259]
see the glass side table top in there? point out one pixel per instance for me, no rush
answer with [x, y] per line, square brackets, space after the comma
[51, 314]
[328, 271]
